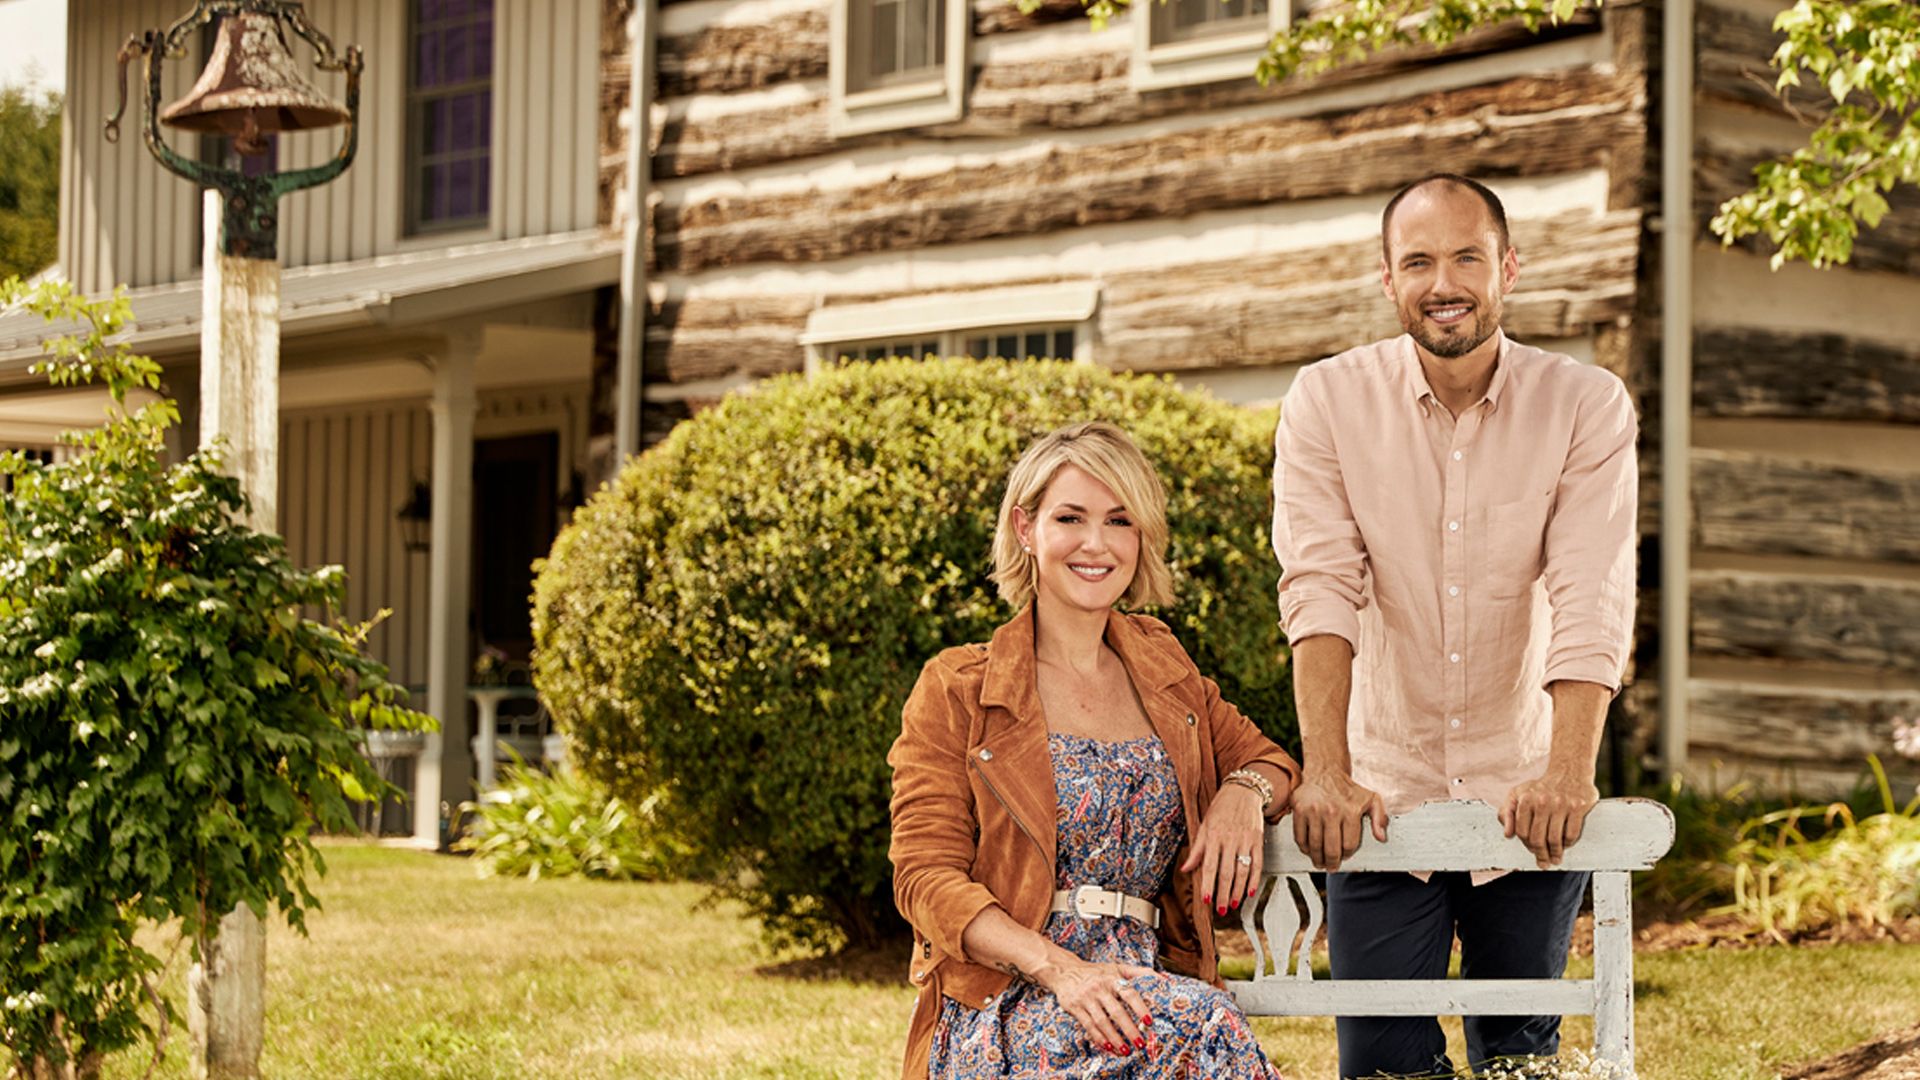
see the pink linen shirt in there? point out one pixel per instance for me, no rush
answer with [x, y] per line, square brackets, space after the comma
[1470, 562]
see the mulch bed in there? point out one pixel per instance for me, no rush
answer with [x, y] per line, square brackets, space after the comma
[1893, 1056]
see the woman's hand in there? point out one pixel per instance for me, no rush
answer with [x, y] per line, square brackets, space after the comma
[1101, 999]
[1229, 847]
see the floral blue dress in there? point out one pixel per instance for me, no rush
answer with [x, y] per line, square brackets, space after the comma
[1120, 823]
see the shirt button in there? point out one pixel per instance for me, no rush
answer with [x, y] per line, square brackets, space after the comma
[1453, 526]
[1457, 455]
[1453, 590]
[1190, 720]
[1454, 659]
[1454, 723]
[987, 755]
[1458, 780]
[988, 1004]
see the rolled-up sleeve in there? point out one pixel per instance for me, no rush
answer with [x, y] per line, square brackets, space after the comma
[1589, 557]
[932, 849]
[1323, 562]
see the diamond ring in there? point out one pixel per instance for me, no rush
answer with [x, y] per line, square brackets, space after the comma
[1244, 860]
[1122, 984]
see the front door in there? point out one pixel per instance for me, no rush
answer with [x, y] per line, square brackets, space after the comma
[515, 505]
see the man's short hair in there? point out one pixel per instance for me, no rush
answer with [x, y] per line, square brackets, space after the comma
[1494, 210]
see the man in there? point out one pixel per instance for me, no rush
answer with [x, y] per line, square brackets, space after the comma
[1454, 517]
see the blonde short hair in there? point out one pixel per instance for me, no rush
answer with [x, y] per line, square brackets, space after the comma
[1105, 453]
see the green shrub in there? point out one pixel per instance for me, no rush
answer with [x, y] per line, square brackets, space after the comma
[742, 613]
[535, 825]
[172, 731]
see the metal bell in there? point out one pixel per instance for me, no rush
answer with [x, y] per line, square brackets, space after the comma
[252, 87]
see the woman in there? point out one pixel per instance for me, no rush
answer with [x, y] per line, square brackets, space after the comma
[1047, 783]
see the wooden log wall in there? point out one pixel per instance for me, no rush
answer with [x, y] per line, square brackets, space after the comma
[759, 216]
[1806, 466]
[1284, 308]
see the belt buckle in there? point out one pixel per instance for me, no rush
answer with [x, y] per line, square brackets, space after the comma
[1093, 902]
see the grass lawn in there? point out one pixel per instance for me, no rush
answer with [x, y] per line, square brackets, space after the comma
[416, 969]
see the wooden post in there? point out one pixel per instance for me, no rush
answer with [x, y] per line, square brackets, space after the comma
[629, 388]
[442, 773]
[240, 405]
[1613, 968]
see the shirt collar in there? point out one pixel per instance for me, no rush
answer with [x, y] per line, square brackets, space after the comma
[1414, 377]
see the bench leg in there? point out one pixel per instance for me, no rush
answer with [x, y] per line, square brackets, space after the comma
[1613, 969]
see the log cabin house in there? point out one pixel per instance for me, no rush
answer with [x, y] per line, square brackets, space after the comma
[523, 277]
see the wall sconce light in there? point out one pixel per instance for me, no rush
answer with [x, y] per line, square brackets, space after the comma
[416, 519]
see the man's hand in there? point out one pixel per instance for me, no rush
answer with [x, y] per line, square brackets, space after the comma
[1547, 814]
[1327, 808]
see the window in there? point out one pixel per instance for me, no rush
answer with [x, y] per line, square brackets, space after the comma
[1022, 343]
[1186, 42]
[1009, 342]
[894, 42]
[450, 115]
[1053, 321]
[897, 64]
[1186, 20]
[924, 349]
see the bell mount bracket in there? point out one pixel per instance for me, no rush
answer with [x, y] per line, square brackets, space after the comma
[249, 223]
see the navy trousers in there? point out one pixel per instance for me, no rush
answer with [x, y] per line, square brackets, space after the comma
[1394, 926]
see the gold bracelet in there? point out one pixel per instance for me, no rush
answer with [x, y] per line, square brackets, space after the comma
[1253, 782]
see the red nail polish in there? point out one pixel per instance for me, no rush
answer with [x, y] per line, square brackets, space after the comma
[1206, 898]
[1147, 1020]
[1222, 909]
[1108, 1047]
[1140, 1044]
[1236, 905]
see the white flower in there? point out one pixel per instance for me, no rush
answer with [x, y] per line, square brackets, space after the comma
[1906, 736]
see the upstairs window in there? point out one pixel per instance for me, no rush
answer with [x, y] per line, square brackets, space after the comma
[1189, 42]
[896, 64]
[449, 115]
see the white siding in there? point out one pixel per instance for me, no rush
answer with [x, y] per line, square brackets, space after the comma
[346, 471]
[125, 220]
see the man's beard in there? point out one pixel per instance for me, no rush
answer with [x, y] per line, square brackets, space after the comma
[1456, 341]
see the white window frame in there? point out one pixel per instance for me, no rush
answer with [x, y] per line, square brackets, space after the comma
[1209, 59]
[938, 99]
[954, 317]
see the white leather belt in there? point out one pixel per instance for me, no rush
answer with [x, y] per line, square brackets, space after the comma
[1094, 902]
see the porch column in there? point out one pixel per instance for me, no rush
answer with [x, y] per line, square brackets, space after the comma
[446, 764]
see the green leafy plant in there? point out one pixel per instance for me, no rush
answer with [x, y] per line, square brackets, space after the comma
[171, 729]
[741, 615]
[536, 825]
[1862, 870]
[1864, 54]
[1695, 877]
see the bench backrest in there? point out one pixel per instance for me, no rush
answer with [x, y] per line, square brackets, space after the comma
[1620, 836]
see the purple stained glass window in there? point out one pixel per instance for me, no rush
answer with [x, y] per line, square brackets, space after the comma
[450, 108]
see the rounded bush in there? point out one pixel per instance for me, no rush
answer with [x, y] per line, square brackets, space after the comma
[741, 614]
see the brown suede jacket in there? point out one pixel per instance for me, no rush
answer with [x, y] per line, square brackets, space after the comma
[973, 801]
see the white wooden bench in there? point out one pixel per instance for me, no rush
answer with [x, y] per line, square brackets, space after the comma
[1620, 836]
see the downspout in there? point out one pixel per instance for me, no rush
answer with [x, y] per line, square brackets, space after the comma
[629, 381]
[1676, 379]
